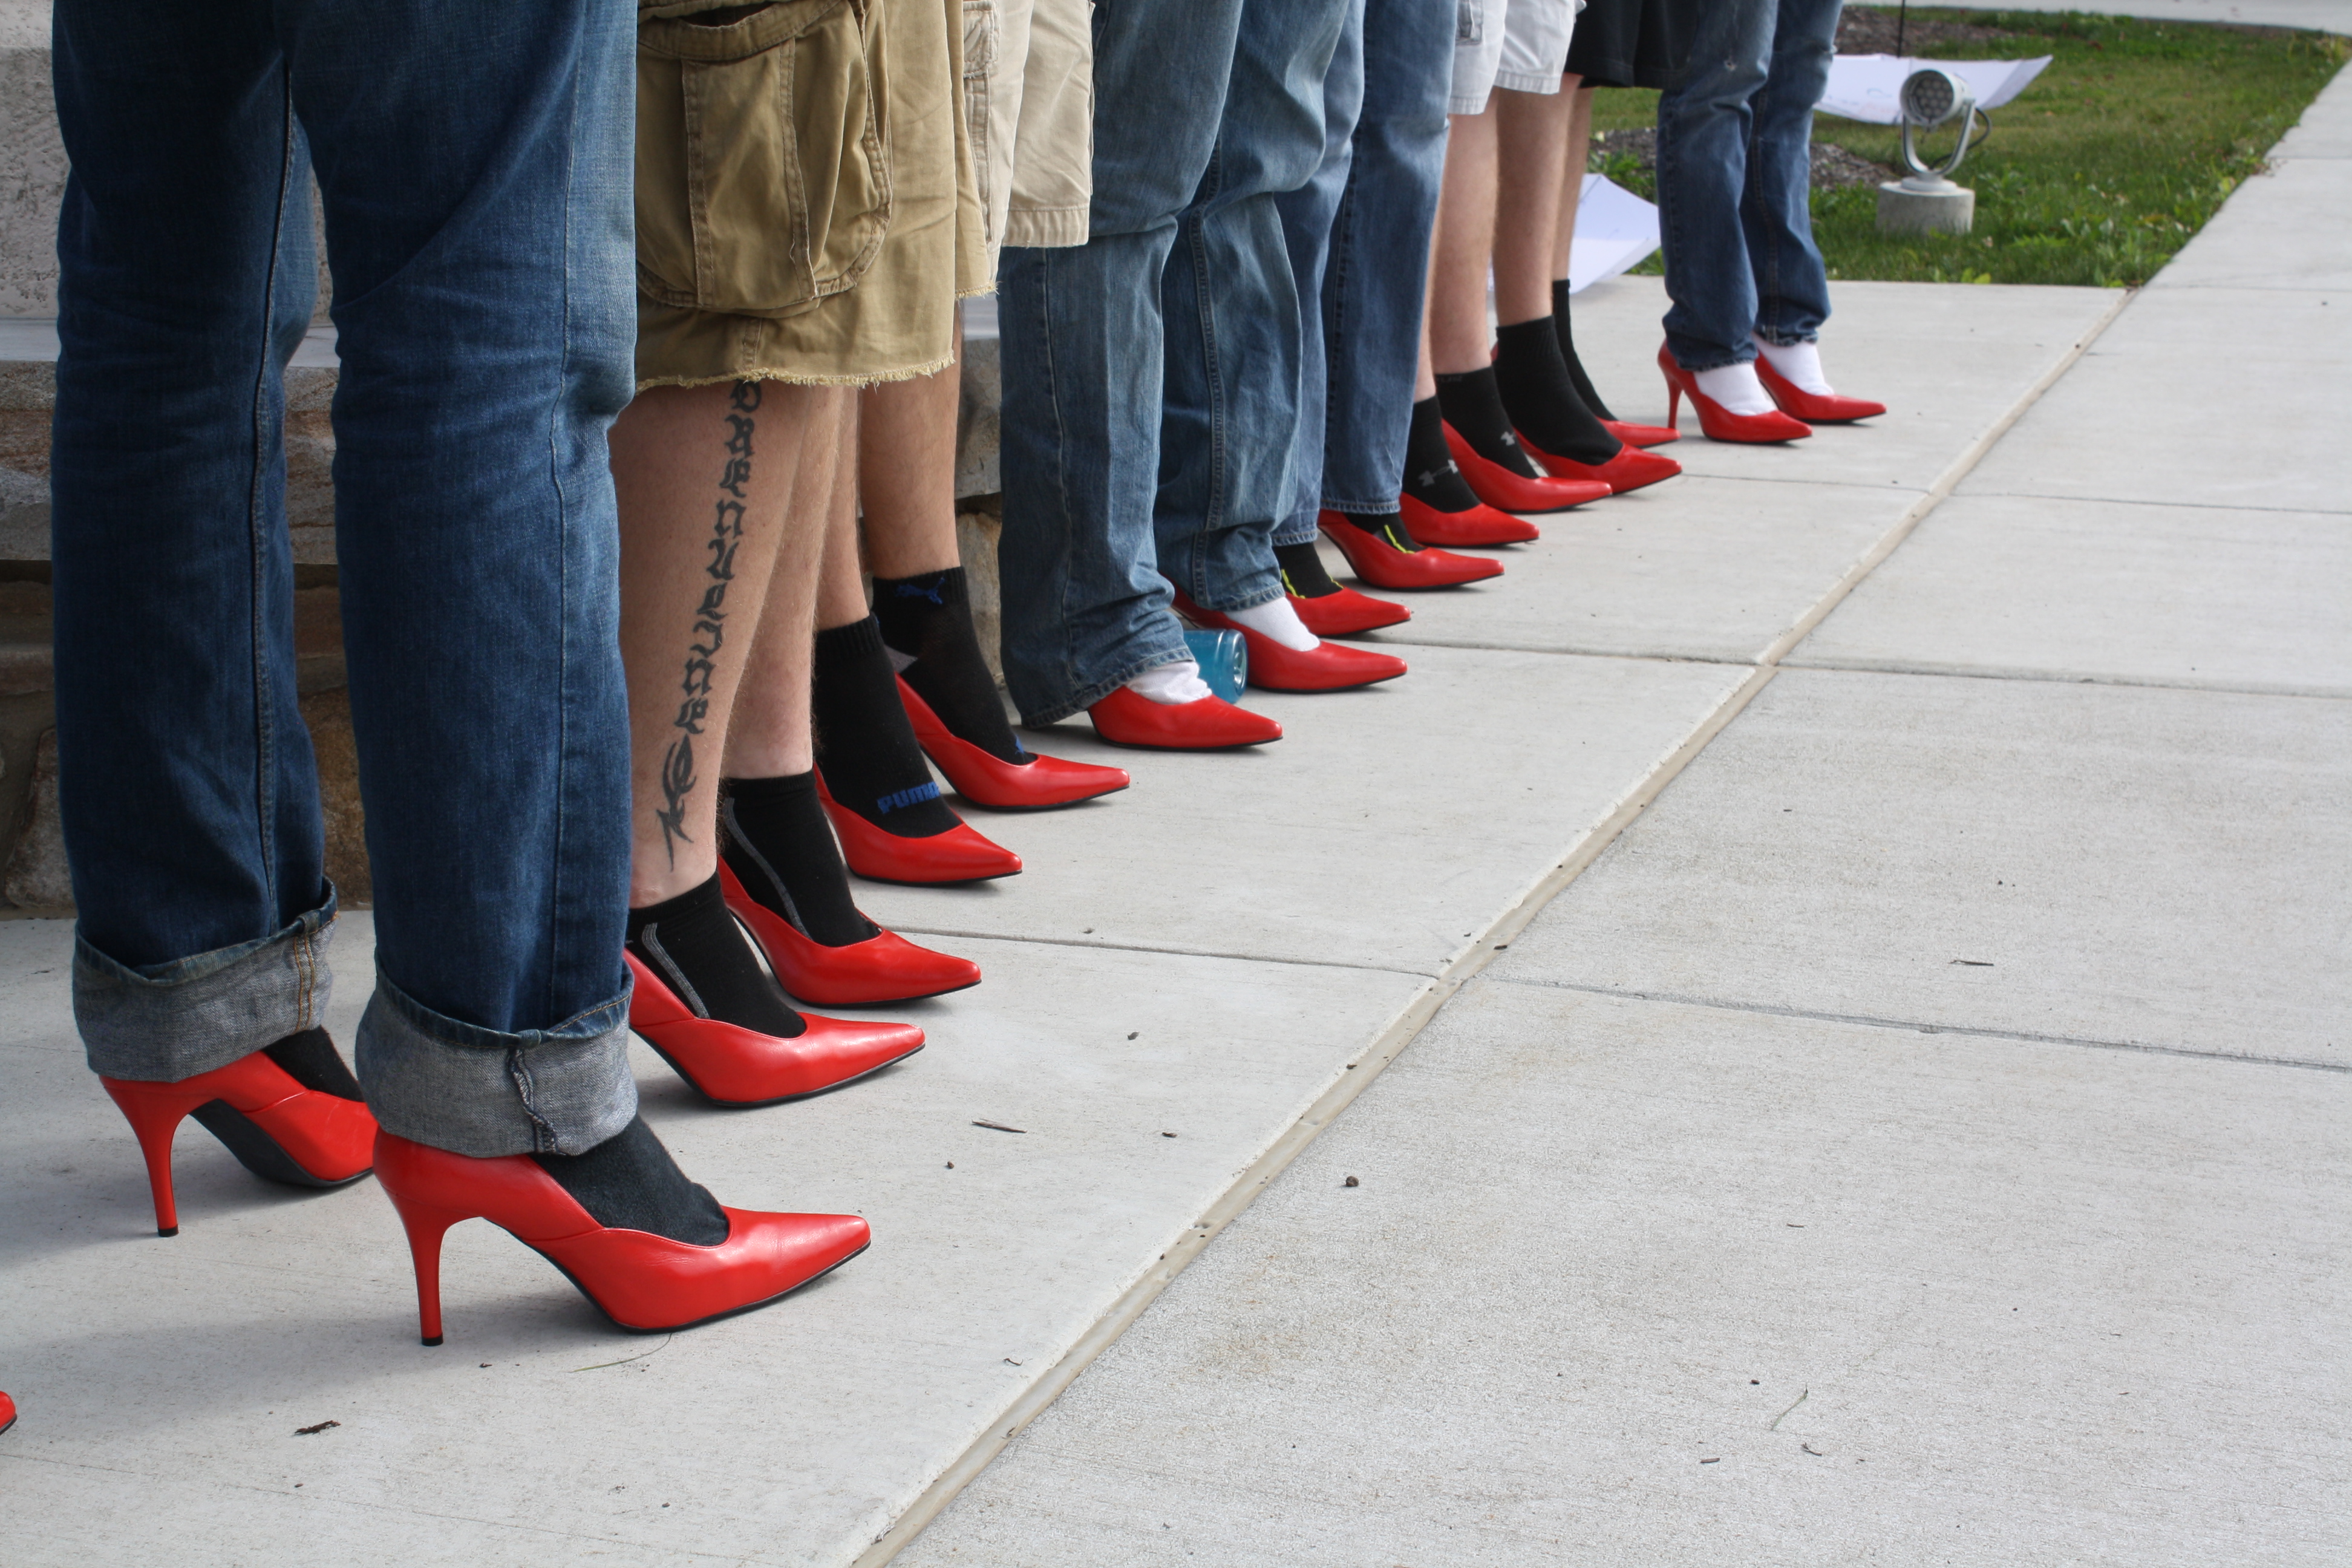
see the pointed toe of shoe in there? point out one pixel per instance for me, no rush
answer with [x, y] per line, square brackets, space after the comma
[987, 779]
[1384, 566]
[1812, 408]
[1347, 612]
[1125, 717]
[1634, 435]
[958, 854]
[732, 1065]
[1057, 781]
[1499, 487]
[1482, 525]
[1630, 469]
[1327, 667]
[884, 967]
[841, 1050]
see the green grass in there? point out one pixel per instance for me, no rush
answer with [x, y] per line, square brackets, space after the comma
[2102, 169]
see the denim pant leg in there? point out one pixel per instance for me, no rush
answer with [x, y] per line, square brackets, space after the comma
[1378, 270]
[1233, 314]
[1082, 345]
[1704, 131]
[475, 185]
[188, 793]
[1307, 214]
[1792, 286]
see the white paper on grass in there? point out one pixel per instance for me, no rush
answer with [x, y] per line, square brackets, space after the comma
[1869, 87]
[1616, 229]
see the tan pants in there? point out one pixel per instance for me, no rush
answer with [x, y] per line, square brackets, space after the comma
[1028, 76]
[806, 209]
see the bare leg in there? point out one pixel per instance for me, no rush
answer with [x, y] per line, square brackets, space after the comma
[769, 735]
[703, 475]
[1572, 185]
[905, 472]
[1465, 245]
[1532, 137]
[841, 587]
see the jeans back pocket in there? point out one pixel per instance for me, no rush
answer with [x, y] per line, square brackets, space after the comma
[763, 166]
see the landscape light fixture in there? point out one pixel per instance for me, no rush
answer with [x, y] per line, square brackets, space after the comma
[1925, 200]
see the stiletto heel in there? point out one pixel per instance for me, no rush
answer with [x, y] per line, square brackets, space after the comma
[1674, 402]
[644, 1282]
[278, 1129]
[1720, 422]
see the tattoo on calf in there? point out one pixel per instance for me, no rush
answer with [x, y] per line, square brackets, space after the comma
[709, 631]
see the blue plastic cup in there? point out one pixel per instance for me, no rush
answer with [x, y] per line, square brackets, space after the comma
[1223, 659]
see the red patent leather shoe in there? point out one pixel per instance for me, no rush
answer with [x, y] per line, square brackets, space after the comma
[1813, 407]
[1481, 525]
[1498, 486]
[884, 967]
[1641, 434]
[645, 1283]
[1327, 667]
[1384, 566]
[7, 1412]
[729, 1064]
[959, 855]
[1630, 469]
[986, 779]
[1719, 423]
[1347, 613]
[1126, 718]
[276, 1128]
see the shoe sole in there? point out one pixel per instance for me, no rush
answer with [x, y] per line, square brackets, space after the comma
[781, 1098]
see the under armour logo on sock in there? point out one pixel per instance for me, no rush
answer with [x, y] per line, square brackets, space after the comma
[1508, 438]
[931, 593]
[900, 799]
[1430, 476]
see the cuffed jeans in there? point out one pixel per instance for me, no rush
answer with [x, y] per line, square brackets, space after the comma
[1151, 374]
[476, 175]
[1735, 180]
[1358, 237]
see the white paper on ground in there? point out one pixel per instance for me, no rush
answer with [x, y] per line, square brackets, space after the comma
[1616, 229]
[1868, 87]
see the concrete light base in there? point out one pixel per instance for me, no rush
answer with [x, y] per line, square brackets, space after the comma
[1941, 208]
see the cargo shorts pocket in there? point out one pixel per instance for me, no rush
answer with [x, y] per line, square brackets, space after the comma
[763, 166]
[980, 26]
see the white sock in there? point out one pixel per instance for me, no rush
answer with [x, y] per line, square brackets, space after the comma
[1799, 364]
[1736, 388]
[1173, 684]
[1276, 619]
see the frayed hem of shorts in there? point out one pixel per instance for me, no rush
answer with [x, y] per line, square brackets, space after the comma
[794, 378]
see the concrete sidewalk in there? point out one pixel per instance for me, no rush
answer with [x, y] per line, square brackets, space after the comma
[2038, 1253]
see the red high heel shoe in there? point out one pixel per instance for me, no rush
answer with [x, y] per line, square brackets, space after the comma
[984, 779]
[1125, 717]
[1641, 434]
[729, 1064]
[1719, 423]
[959, 855]
[7, 1412]
[1384, 566]
[1813, 407]
[884, 967]
[1481, 525]
[1326, 668]
[1347, 613]
[1630, 469]
[645, 1283]
[277, 1128]
[1499, 487]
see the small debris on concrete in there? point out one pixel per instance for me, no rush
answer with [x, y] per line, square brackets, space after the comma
[1716, 1461]
[1167, 1135]
[999, 1127]
[1816, 1453]
[1974, 962]
[1351, 1182]
[1755, 1383]
[486, 1363]
[1132, 1033]
[950, 1165]
[314, 1431]
[1010, 1362]
[1792, 1225]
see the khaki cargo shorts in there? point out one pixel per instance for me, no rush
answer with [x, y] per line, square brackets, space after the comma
[805, 206]
[1029, 94]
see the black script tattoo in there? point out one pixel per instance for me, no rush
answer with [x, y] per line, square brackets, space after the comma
[709, 631]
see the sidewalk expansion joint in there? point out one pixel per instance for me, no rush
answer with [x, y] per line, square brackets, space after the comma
[1169, 952]
[1915, 1026]
[1976, 494]
[2047, 678]
[1400, 1032]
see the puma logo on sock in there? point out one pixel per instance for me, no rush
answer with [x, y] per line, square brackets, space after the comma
[900, 799]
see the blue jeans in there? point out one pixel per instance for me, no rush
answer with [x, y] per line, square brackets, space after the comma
[1359, 235]
[476, 175]
[1735, 177]
[1151, 374]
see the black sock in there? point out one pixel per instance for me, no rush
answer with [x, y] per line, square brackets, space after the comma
[629, 1182]
[773, 836]
[865, 747]
[1567, 335]
[1541, 399]
[1432, 477]
[929, 619]
[1388, 527]
[695, 945]
[1302, 572]
[1475, 408]
[312, 1060]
